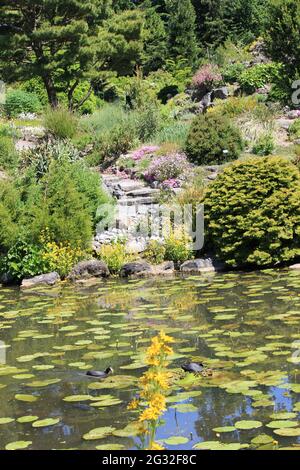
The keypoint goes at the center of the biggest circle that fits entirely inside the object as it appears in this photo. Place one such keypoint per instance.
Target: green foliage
(177, 246)
(19, 101)
(282, 35)
(264, 145)
(181, 28)
(294, 130)
(24, 260)
(8, 155)
(155, 252)
(175, 132)
(213, 139)
(35, 85)
(259, 75)
(10, 214)
(61, 123)
(67, 43)
(114, 255)
(253, 212)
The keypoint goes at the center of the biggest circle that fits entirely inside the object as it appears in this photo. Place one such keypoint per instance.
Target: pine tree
(63, 42)
(181, 27)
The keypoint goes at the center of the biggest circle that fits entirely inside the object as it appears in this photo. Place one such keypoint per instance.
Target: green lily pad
(26, 398)
(98, 433)
(42, 423)
(185, 408)
(77, 398)
(280, 424)
(288, 432)
(176, 440)
(27, 419)
(245, 424)
(6, 420)
(18, 445)
(262, 439)
(224, 429)
(283, 415)
(110, 447)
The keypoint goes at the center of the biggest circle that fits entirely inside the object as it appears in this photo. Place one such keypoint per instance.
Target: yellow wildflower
(156, 446)
(133, 405)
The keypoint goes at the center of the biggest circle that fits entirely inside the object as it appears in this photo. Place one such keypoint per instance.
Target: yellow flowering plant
(154, 385)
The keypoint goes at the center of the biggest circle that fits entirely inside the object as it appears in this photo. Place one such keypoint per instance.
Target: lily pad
(98, 433)
(288, 432)
(281, 424)
(42, 423)
(18, 445)
(176, 440)
(6, 420)
(244, 425)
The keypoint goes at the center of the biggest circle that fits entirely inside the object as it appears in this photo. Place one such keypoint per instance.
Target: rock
(202, 265)
(88, 269)
(163, 269)
(49, 279)
(137, 268)
(295, 266)
(283, 123)
(294, 114)
(206, 101)
(220, 93)
(6, 279)
(130, 185)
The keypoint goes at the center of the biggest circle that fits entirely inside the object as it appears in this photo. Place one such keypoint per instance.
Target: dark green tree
(283, 34)
(154, 38)
(181, 28)
(63, 43)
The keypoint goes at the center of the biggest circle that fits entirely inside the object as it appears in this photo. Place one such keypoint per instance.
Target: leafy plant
(253, 212)
(213, 139)
(265, 145)
(294, 129)
(155, 252)
(8, 155)
(258, 76)
(114, 255)
(167, 167)
(60, 122)
(177, 247)
(19, 101)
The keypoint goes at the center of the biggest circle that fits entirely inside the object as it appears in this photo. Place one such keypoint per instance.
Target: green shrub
(175, 132)
(258, 76)
(177, 248)
(24, 260)
(37, 87)
(264, 145)
(213, 139)
(232, 72)
(19, 101)
(8, 154)
(60, 122)
(114, 255)
(253, 212)
(294, 130)
(155, 252)
(10, 214)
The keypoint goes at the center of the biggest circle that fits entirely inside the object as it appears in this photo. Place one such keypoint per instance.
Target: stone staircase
(135, 201)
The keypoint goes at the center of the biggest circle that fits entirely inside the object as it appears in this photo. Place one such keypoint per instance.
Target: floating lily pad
(243, 425)
(42, 423)
(27, 419)
(110, 447)
(77, 398)
(280, 424)
(18, 445)
(98, 433)
(262, 439)
(176, 440)
(26, 398)
(6, 420)
(224, 429)
(288, 432)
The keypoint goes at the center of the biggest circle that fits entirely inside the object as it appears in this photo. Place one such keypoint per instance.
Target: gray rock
(163, 269)
(295, 266)
(202, 265)
(49, 279)
(220, 93)
(88, 269)
(294, 114)
(135, 269)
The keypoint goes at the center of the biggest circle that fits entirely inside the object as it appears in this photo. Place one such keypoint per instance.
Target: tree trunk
(51, 91)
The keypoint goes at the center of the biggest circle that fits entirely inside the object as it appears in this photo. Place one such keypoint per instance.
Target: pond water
(245, 326)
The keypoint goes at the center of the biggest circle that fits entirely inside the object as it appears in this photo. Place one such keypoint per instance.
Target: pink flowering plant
(140, 153)
(170, 170)
(207, 77)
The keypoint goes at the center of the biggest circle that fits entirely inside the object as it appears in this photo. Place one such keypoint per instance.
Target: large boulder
(220, 93)
(49, 279)
(88, 269)
(202, 265)
(143, 269)
(137, 268)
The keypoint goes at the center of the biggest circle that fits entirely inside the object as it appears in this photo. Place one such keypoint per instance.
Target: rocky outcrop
(201, 266)
(142, 269)
(49, 279)
(295, 266)
(88, 269)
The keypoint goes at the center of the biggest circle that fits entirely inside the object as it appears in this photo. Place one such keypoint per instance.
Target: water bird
(100, 374)
(195, 367)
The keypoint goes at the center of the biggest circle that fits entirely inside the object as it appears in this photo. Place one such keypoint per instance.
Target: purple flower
(169, 167)
(141, 152)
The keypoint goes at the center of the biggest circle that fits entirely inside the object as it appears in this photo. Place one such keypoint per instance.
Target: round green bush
(19, 101)
(213, 140)
(252, 213)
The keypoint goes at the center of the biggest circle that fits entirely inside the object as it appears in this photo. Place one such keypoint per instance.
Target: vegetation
(213, 139)
(253, 212)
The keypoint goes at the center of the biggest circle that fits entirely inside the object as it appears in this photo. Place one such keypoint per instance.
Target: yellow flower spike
(133, 405)
(156, 446)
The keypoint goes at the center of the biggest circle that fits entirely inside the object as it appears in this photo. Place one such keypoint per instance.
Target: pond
(244, 326)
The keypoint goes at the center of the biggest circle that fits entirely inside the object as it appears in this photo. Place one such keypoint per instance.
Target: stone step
(136, 201)
(144, 192)
(130, 185)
